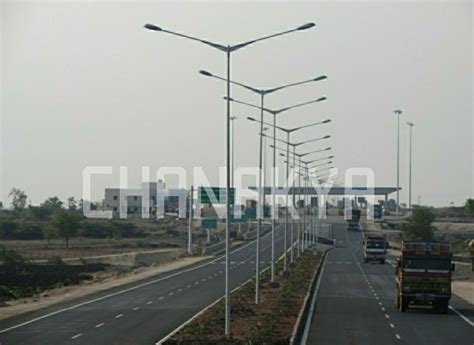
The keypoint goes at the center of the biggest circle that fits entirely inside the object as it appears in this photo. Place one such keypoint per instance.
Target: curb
(301, 322)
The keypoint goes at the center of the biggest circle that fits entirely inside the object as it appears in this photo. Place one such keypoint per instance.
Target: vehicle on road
(353, 220)
(423, 275)
(375, 248)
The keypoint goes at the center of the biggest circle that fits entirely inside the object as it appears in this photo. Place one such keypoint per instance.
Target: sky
(84, 84)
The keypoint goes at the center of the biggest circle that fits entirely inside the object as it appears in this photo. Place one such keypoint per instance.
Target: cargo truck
(423, 275)
(353, 221)
(375, 249)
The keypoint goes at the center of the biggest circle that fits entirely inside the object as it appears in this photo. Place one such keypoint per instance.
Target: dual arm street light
(274, 210)
(289, 131)
(227, 49)
(307, 168)
(261, 195)
(294, 145)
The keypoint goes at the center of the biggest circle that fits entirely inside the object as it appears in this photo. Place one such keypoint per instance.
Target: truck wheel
(442, 307)
(403, 304)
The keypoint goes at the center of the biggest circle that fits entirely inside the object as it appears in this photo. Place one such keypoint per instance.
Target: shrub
(8, 229)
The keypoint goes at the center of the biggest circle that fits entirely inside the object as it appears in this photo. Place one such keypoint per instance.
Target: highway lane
(355, 304)
(140, 313)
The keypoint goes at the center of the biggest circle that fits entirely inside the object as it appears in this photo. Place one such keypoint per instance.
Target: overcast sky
(84, 84)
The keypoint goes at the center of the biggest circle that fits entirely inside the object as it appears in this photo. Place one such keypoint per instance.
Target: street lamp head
(321, 99)
(251, 118)
(327, 121)
(305, 26)
(326, 137)
(331, 157)
(397, 111)
(265, 129)
(411, 124)
(228, 98)
(233, 118)
(152, 27)
(322, 77)
(327, 148)
(206, 73)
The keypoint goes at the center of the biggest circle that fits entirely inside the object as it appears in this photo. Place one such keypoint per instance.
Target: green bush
(8, 229)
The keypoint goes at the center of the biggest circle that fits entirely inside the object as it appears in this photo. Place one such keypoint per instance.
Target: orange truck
(423, 275)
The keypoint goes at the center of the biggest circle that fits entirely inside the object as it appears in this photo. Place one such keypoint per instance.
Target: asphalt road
(139, 313)
(355, 304)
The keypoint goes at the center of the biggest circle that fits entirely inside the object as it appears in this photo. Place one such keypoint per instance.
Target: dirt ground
(101, 281)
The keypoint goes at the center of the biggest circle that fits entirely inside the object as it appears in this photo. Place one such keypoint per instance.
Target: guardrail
(214, 248)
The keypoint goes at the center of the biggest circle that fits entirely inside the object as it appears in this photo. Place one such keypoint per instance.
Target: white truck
(375, 248)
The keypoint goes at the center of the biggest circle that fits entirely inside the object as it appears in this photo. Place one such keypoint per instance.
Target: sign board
(209, 223)
(220, 195)
(251, 213)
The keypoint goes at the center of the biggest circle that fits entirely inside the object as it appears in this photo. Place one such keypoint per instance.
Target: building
(134, 204)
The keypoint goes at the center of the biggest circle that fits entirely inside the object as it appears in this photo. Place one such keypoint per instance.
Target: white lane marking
(196, 283)
(188, 286)
(398, 337)
(209, 277)
(179, 290)
(203, 279)
(462, 316)
(99, 325)
(387, 316)
(377, 298)
(131, 288)
(380, 303)
(392, 325)
(171, 293)
(161, 297)
(76, 336)
(149, 302)
(313, 303)
(118, 316)
(216, 274)
(383, 308)
(136, 308)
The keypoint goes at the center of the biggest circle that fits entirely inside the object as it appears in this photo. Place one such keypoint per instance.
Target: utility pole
(410, 124)
(190, 234)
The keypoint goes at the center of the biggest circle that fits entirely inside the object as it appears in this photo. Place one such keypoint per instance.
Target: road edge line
(177, 329)
(309, 317)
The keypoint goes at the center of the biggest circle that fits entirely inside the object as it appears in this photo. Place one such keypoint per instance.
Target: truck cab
(375, 249)
(423, 275)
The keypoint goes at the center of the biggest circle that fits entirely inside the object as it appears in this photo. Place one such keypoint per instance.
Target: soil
(272, 321)
(113, 277)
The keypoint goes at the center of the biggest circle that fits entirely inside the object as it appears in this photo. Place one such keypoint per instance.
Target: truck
(353, 221)
(375, 248)
(423, 275)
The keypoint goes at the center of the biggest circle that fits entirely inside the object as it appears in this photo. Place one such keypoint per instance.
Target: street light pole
(232, 119)
(190, 234)
(228, 49)
(398, 113)
(263, 92)
(410, 124)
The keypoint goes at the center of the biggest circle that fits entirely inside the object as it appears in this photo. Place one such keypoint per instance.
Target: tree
(19, 199)
(49, 232)
(40, 212)
(53, 203)
(418, 227)
(71, 203)
(469, 207)
(67, 224)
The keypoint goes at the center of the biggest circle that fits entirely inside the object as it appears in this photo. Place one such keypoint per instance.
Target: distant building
(134, 202)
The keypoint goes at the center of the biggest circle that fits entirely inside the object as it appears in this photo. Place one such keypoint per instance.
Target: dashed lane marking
(136, 308)
(149, 302)
(118, 316)
(99, 325)
(392, 325)
(76, 336)
(398, 337)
